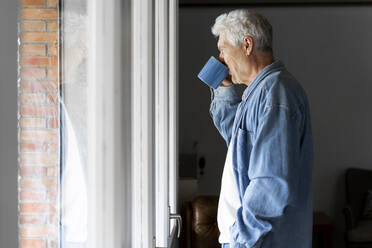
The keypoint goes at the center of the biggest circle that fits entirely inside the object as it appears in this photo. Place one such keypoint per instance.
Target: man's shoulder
(282, 84)
(282, 89)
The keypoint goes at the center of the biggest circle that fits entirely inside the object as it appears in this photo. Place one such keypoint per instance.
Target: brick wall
(38, 97)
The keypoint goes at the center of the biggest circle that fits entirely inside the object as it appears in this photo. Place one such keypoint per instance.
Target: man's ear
(248, 45)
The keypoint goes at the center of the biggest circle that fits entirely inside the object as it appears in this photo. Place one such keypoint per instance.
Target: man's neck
(257, 63)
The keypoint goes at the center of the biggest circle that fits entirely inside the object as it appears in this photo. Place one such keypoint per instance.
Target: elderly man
(266, 192)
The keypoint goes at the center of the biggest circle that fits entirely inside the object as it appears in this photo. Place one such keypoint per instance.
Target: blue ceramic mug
(213, 72)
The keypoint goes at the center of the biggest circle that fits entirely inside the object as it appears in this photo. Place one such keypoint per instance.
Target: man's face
(231, 56)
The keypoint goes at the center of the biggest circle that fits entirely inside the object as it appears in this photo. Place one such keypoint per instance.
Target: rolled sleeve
(224, 93)
(224, 103)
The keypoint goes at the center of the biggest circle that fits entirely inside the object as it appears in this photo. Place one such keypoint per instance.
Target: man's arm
(224, 103)
(273, 176)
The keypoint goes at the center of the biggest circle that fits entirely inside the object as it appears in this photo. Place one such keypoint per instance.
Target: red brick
(53, 219)
(53, 147)
(53, 123)
(32, 243)
(32, 171)
(39, 13)
(32, 195)
(35, 219)
(39, 61)
(32, 122)
(54, 60)
(33, 147)
(52, 171)
(53, 73)
(45, 86)
(53, 98)
(39, 135)
(35, 60)
(39, 183)
(52, 3)
(34, 73)
(39, 37)
(32, 98)
(36, 231)
(39, 158)
(33, 25)
(53, 49)
(37, 207)
(39, 149)
(52, 24)
(33, 49)
(29, 3)
(39, 110)
(52, 195)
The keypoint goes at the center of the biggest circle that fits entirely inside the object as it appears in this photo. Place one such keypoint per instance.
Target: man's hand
(227, 81)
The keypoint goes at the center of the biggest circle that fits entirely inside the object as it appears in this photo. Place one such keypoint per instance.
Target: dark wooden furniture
(358, 233)
(200, 225)
(322, 230)
(200, 217)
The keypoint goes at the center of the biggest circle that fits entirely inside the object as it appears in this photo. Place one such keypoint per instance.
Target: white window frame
(154, 28)
(166, 121)
(108, 174)
(162, 124)
(142, 123)
(121, 121)
(173, 114)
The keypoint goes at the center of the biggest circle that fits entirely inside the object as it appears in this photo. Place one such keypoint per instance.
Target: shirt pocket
(244, 148)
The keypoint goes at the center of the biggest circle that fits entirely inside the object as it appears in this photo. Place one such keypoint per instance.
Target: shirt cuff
(235, 238)
(224, 93)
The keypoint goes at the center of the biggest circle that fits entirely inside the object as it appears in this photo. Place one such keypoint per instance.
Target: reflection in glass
(73, 108)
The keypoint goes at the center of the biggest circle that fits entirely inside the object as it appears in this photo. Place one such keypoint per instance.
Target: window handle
(178, 218)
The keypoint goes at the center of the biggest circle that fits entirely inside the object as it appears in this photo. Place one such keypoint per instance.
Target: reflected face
(231, 56)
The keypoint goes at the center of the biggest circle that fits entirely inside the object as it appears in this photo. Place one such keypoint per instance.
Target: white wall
(328, 50)
(8, 124)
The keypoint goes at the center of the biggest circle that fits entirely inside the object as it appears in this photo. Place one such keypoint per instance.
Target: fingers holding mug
(227, 81)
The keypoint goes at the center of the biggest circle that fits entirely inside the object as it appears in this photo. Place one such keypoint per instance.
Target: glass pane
(74, 210)
(62, 154)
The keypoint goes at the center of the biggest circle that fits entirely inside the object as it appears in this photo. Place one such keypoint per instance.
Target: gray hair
(241, 22)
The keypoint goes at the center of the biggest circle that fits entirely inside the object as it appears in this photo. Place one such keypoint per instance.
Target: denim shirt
(272, 148)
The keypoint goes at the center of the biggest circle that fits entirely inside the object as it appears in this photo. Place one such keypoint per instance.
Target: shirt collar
(275, 66)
